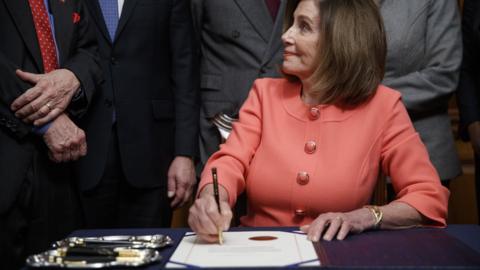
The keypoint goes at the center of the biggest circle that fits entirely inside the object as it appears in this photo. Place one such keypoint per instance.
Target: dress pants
(115, 203)
(46, 209)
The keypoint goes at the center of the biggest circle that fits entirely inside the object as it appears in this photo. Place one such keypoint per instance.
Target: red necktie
(44, 35)
(273, 7)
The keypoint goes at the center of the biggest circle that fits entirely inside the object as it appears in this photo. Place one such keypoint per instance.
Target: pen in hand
(216, 194)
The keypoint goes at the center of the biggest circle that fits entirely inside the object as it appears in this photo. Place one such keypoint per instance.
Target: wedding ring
(49, 106)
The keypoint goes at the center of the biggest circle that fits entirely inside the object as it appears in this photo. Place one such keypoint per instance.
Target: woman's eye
(304, 27)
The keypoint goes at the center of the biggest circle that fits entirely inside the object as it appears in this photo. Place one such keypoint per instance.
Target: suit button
(235, 34)
(108, 102)
(310, 147)
(303, 178)
(114, 61)
(300, 212)
(314, 113)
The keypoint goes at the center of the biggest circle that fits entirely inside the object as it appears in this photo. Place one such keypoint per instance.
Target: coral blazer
(296, 161)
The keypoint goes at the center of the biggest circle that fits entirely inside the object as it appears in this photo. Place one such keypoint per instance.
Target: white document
(246, 249)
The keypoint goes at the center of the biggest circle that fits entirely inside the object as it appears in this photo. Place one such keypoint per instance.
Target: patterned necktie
(44, 35)
(110, 15)
(273, 6)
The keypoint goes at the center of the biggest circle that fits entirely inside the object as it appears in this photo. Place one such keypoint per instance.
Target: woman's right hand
(204, 218)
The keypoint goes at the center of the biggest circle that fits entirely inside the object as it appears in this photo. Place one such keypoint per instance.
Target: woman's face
(301, 39)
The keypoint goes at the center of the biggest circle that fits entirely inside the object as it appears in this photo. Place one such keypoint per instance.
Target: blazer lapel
(96, 14)
(127, 11)
(257, 13)
(22, 16)
(273, 44)
(63, 20)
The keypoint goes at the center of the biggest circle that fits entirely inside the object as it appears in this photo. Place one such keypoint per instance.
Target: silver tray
(154, 241)
(48, 259)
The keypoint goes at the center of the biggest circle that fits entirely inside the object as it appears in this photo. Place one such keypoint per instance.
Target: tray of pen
(102, 252)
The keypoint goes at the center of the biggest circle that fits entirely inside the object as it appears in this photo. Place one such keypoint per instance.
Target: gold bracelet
(377, 214)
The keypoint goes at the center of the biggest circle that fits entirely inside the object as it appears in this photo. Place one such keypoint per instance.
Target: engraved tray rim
(41, 260)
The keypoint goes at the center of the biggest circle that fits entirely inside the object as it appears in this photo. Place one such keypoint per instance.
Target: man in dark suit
(240, 42)
(141, 129)
(468, 94)
(48, 73)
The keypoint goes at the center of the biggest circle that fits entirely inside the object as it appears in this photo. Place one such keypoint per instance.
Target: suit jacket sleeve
(405, 159)
(431, 86)
(84, 62)
(468, 90)
(10, 88)
(184, 78)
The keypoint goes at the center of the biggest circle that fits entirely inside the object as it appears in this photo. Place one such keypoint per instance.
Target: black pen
(216, 195)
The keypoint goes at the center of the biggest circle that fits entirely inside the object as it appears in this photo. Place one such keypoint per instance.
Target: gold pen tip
(220, 237)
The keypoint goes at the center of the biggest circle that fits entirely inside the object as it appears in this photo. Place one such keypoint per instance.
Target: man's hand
(65, 140)
(181, 179)
(48, 98)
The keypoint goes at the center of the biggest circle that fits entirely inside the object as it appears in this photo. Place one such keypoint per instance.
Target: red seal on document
(263, 238)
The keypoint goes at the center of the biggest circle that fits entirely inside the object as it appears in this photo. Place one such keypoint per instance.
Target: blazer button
(235, 34)
(310, 147)
(108, 102)
(114, 61)
(303, 178)
(314, 113)
(300, 212)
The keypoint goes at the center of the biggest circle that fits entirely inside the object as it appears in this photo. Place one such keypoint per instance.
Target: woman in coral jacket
(307, 149)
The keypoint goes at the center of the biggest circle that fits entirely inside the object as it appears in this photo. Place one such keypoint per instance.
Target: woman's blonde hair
(350, 60)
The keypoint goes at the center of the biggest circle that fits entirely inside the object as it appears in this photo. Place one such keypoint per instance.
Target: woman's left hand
(339, 224)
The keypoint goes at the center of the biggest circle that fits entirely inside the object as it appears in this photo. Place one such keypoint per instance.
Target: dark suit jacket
(424, 51)
(150, 82)
(468, 94)
(19, 49)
